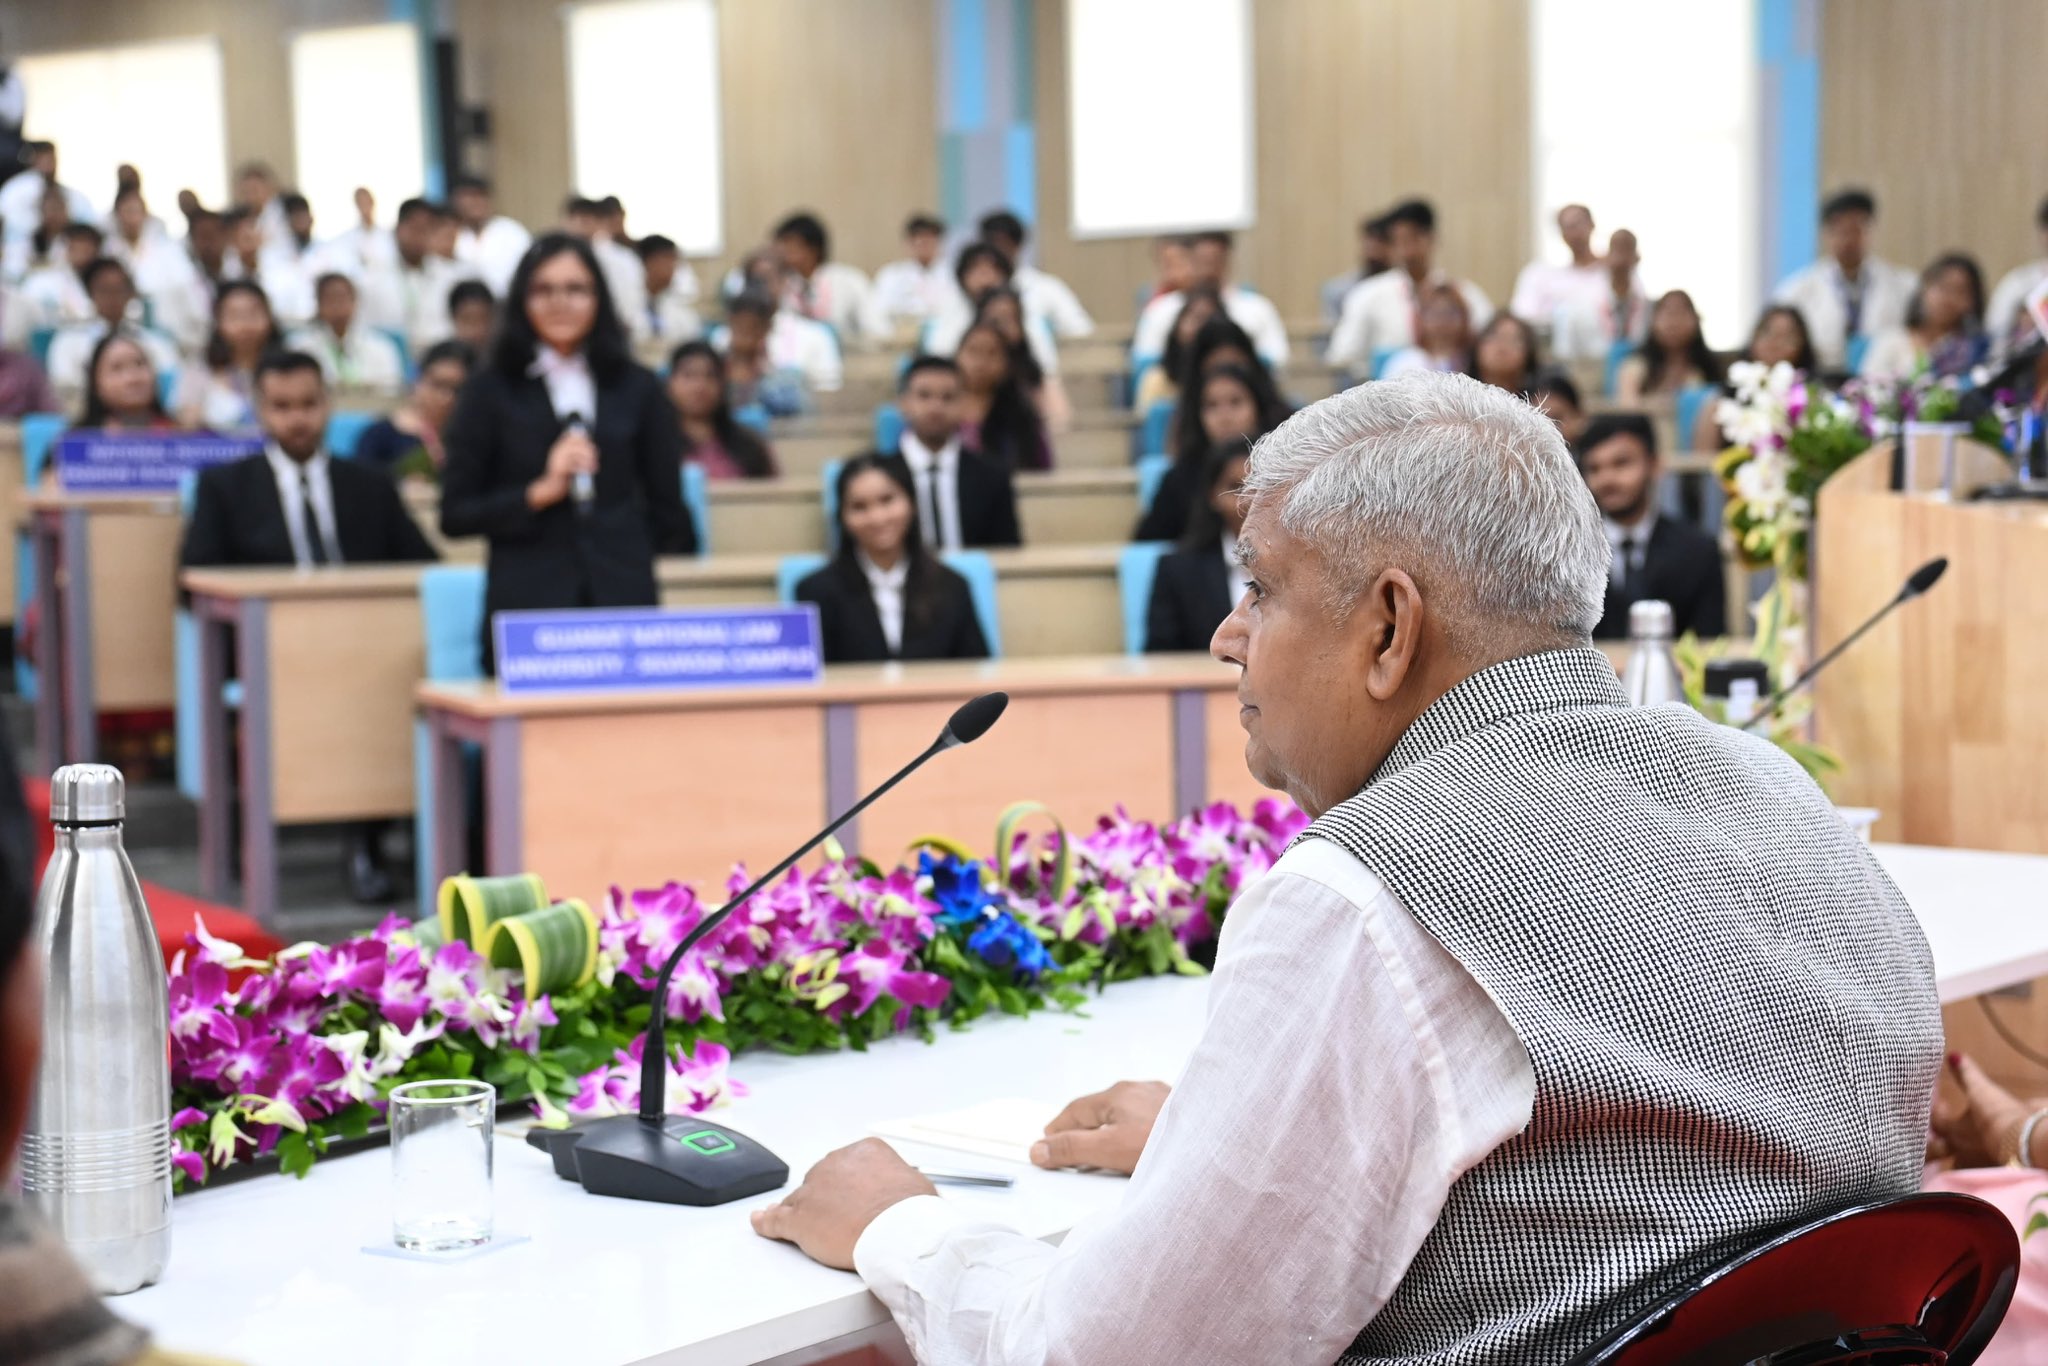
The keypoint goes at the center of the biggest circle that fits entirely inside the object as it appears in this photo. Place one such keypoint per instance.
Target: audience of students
(713, 437)
(1673, 357)
(1195, 586)
(121, 390)
(1375, 256)
(1617, 313)
(407, 443)
(294, 504)
(220, 393)
(885, 595)
(964, 501)
(249, 258)
(818, 287)
(1849, 293)
(911, 291)
(1378, 316)
(408, 294)
(998, 419)
(1045, 296)
(671, 289)
(351, 355)
(1443, 334)
(978, 269)
(1209, 263)
(775, 358)
(112, 293)
(486, 241)
(1231, 402)
(1943, 334)
(1162, 381)
(562, 451)
(1506, 355)
(1653, 557)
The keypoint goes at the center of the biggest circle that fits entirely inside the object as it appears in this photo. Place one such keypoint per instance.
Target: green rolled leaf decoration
(511, 922)
(469, 906)
(1014, 816)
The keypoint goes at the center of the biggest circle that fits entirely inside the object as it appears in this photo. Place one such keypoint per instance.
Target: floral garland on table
(282, 1057)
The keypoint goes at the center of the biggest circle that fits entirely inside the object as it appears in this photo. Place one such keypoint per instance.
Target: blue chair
(1139, 366)
(39, 433)
(1136, 566)
(39, 344)
(1690, 402)
(1380, 359)
(1152, 436)
(1621, 349)
(888, 426)
(829, 477)
(1152, 471)
(344, 430)
(404, 351)
(754, 416)
(1858, 345)
(697, 498)
(167, 387)
(452, 620)
(971, 565)
(191, 767)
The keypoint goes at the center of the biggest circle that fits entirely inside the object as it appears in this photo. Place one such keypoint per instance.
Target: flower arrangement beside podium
(549, 1001)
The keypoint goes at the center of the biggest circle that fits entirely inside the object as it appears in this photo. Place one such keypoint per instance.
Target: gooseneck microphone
(1917, 583)
(640, 1157)
(583, 484)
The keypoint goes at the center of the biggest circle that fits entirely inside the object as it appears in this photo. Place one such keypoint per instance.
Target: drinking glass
(441, 1164)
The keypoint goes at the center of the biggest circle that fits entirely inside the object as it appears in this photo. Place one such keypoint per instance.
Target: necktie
(1852, 304)
(936, 533)
(316, 545)
(1631, 567)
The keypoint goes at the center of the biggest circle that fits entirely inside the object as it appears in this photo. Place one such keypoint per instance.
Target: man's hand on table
(1106, 1130)
(839, 1198)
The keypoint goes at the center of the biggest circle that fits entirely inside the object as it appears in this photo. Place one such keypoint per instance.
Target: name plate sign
(142, 462)
(633, 649)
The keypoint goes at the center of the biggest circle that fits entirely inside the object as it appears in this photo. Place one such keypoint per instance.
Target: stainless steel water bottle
(1651, 678)
(96, 1160)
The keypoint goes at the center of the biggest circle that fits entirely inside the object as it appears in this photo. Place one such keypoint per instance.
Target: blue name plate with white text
(142, 463)
(623, 649)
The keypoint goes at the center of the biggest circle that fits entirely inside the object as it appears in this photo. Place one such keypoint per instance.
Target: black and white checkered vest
(1729, 1007)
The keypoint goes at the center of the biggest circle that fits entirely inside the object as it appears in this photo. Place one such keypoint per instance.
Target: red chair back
(1924, 1279)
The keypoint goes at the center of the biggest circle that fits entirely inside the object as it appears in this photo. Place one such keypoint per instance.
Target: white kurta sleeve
(1299, 1164)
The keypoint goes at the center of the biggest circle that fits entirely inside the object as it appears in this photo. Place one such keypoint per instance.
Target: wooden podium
(1940, 715)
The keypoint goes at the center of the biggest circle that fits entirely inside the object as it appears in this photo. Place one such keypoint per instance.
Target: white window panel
(1665, 148)
(156, 106)
(644, 115)
(1129, 61)
(357, 120)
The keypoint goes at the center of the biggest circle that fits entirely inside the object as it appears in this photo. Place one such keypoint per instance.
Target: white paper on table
(1004, 1128)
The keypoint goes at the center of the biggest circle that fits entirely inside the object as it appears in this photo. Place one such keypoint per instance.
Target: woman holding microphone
(563, 451)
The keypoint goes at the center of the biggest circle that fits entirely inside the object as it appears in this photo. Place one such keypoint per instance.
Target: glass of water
(441, 1164)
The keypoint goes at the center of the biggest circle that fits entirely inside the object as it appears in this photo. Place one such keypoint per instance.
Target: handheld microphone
(583, 487)
(1917, 583)
(636, 1156)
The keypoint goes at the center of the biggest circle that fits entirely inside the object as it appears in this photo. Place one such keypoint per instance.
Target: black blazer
(852, 627)
(1168, 515)
(987, 499)
(1682, 566)
(1190, 599)
(497, 443)
(238, 519)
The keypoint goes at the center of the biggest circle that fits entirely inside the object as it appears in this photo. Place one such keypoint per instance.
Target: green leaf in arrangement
(469, 906)
(294, 1154)
(1007, 825)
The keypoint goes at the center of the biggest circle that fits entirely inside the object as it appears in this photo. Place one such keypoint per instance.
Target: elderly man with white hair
(1556, 1005)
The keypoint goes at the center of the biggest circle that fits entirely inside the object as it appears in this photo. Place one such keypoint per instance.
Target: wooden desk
(106, 589)
(636, 789)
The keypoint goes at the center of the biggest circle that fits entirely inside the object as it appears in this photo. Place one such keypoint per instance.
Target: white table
(272, 1271)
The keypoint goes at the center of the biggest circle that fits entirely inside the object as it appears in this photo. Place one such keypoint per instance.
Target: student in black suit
(563, 451)
(296, 505)
(964, 500)
(1654, 557)
(1195, 586)
(885, 595)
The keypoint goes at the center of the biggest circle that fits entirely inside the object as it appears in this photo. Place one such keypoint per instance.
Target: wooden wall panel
(513, 63)
(1359, 103)
(1936, 106)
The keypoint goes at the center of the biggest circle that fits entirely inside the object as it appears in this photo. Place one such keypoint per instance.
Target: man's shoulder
(231, 475)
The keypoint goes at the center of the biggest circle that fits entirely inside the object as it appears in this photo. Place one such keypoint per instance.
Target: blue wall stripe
(968, 54)
(1788, 72)
(1020, 170)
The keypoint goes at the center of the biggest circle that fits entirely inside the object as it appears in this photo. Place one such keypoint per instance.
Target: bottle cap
(1649, 619)
(81, 793)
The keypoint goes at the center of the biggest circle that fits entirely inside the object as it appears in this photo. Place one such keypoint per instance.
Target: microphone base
(682, 1161)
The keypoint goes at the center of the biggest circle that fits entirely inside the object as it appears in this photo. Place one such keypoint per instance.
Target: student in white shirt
(624, 276)
(1045, 295)
(2006, 318)
(140, 243)
(1379, 314)
(774, 357)
(219, 394)
(488, 242)
(912, 291)
(1443, 335)
(43, 244)
(21, 197)
(112, 293)
(1209, 263)
(256, 190)
(180, 292)
(297, 244)
(1587, 328)
(291, 293)
(819, 287)
(351, 355)
(365, 245)
(1848, 293)
(409, 295)
(54, 294)
(1375, 257)
(1546, 288)
(978, 269)
(671, 289)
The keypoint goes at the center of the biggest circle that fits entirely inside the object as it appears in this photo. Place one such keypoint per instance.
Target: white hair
(1467, 487)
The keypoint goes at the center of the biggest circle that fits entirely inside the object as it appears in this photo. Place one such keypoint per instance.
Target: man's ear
(1390, 614)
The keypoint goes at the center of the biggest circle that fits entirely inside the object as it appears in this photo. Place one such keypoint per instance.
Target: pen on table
(940, 1176)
